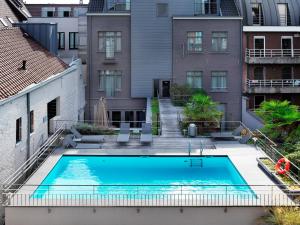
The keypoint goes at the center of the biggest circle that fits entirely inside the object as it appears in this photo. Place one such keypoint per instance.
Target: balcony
(272, 56)
(118, 5)
(273, 86)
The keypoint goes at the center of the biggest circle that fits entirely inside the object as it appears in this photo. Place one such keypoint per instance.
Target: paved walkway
(168, 117)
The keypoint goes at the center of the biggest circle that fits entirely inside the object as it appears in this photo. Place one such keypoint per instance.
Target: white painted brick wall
(70, 90)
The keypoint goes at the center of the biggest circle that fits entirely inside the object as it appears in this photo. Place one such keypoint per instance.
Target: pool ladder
(196, 163)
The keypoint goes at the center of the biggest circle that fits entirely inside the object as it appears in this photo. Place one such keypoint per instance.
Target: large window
(219, 80)
(194, 41)
(284, 14)
(118, 5)
(110, 82)
(194, 79)
(219, 41)
(73, 40)
(61, 40)
(19, 130)
(50, 13)
(110, 42)
(203, 7)
(257, 14)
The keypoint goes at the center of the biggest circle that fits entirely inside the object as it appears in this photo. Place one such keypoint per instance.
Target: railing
(180, 100)
(269, 148)
(118, 5)
(274, 83)
(150, 195)
(205, 8)
(35, 160)
(269, 53)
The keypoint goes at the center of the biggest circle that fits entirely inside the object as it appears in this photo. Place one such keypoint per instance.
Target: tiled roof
(96, 6)
(16, 46)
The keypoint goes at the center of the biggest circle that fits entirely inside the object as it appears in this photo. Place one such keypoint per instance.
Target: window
(61, 40)
(287, 73)
(219, 80)
(50, 14)
(162, 10)
(219, 41)
(284, 14)
(110, 82)
(3, 22)
(257, 14)
(129, 117)
(66, 13)
(110, 42)
(259, 73)
(258, 99)
(194, 79)
(116, 118)
(18, 130)
(73, 40)
(203, 7)
(118, 5)
(194, 41)
(31, 128)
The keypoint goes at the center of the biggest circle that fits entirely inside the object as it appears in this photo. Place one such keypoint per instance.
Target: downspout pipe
(28, 126)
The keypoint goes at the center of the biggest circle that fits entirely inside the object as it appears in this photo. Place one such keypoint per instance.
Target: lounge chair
(78, 137)
(227, 135)
(69, 143)
(124, 134)
(146, 136)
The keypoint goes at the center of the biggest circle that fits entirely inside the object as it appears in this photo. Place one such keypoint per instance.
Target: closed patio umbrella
(101, 113)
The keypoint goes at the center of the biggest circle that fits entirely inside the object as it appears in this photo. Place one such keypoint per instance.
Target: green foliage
(91, 129)
(181, 94)
(295, 156)
(155, 115)
(202, 108)
(281, 216)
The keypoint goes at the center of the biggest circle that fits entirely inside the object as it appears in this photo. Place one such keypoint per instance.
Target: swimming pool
(143, 175)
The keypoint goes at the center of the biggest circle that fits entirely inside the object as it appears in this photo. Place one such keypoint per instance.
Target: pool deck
(243, 157)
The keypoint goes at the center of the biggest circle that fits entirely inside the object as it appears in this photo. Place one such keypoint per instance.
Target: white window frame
(292, 43)
(260, 37)
(286, 13)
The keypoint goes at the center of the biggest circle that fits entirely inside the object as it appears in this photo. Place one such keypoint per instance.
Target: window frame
(74, 42)
(162, 4)
(103, 74)
(103, 37)
(286, 14)
(18, 130)
(59, 40)
(49, 11)
(219, 89)
(219, 42)
(193, 50)
(31, 127)
(261, 19)
(193, 75)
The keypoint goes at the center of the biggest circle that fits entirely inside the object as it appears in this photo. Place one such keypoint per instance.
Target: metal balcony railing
(274, 83)
(269, 53)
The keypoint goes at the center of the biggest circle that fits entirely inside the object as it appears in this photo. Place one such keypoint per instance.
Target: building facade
(140, 48)
(271, 51)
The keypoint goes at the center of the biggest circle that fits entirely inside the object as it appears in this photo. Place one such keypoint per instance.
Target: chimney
(24, 65)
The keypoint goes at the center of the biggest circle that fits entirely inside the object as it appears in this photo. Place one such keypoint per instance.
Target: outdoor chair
(146, 135)
(124, 135)
(69, 143)
(225, 135)
(78, 137)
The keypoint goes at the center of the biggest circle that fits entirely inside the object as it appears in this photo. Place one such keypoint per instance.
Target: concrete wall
(130, 216)
(208, 61)
(65, 24)
(70, 91)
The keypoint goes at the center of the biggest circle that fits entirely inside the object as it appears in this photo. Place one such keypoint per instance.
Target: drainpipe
(28, 126)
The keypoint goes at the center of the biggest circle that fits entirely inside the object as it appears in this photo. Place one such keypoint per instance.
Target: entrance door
(166, 89)
(259, 46)
(52, 111)
(287, 46)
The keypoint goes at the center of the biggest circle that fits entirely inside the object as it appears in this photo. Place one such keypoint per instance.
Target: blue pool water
(139, 175)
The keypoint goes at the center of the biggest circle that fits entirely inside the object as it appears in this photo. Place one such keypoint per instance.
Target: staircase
(228, 8)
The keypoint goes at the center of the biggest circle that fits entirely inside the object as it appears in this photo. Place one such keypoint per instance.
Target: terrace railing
(281, 83)
(35, 160)
(150, 196)
(270, 53)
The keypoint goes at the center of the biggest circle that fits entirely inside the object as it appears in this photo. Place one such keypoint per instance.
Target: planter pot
(275, 177)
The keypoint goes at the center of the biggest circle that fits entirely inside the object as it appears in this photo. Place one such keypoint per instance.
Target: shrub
(281, 216)
(91, 129)
(181, 94)
(295, 156)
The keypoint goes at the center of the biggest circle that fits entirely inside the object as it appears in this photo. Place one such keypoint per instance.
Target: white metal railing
(151, 195)
(274, 83)
(269, 53)
(26, 168)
